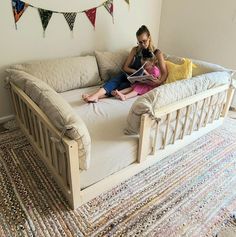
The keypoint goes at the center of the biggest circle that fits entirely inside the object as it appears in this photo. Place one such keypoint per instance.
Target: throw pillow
(179, 71)
(110, 63)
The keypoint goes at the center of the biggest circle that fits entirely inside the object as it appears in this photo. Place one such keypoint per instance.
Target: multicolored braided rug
(191, 193)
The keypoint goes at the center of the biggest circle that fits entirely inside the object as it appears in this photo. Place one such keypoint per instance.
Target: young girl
(139, 88)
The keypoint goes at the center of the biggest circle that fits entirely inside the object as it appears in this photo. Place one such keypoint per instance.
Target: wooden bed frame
(64, 164)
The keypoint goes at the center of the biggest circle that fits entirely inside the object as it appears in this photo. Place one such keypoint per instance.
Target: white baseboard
(6, 118)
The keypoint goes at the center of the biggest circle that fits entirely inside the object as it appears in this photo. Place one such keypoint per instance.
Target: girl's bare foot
(120, 96)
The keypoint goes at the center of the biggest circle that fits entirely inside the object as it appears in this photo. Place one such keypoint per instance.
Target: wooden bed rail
(61, 157)
(213, 113)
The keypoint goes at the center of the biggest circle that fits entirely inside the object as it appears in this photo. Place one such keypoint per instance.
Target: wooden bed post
(144, 137)
(73, 176)
(229, 98)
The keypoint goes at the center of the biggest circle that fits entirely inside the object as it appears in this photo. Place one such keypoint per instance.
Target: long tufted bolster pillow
(57, 110)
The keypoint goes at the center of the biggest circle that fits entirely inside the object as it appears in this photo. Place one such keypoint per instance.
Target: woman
(132, 64)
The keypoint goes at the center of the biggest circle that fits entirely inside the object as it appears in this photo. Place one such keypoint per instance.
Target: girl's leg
(123, 97)
(115, 83)
(124, 91)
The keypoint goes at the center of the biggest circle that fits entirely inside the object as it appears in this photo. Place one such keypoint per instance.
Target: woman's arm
(162, 66)
(129, 61)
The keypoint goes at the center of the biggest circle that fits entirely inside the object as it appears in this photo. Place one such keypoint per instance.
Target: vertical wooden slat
(41, 137)
(221, 107)
(54, 156)
(215, 109)
(202, 110)
(26, 117)
(31, 128)
(176, 126)
(18, 107)
(166, 131)
(208, 112)
(47, 143)
(35, 129)
(60, 162)
(14, 102)
(154, 148)
(63, 162)
(194, 117)
(229, 98)
(185, 121)
(22, 112)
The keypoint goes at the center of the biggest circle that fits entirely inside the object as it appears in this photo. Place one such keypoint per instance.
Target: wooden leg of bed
(228, 101)
(144, 137)
(73, 176)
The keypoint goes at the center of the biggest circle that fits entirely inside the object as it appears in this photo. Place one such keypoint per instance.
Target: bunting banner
(127, 2)
(18, 8)
(45, 15)
(110, 7)
(91, 14)
(70, 19)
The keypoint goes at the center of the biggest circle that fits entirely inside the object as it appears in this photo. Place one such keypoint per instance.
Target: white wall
(200, 29)
(27, 42)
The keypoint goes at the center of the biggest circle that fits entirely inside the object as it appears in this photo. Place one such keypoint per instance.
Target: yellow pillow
(179, 71)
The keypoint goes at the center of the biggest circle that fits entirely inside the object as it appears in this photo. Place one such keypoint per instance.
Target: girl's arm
(129, 61)
(162, 67)
(145, 72)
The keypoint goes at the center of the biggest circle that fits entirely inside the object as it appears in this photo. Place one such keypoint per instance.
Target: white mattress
(105, 120)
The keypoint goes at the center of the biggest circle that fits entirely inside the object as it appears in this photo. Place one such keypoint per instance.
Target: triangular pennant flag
(45, 16)
(91, 14)
(70, 18)
(109, 6)
(18, 8)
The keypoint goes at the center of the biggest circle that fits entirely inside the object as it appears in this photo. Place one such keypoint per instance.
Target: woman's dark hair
(144, 30)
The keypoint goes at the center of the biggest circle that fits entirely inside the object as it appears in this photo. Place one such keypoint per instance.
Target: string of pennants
(19, 7)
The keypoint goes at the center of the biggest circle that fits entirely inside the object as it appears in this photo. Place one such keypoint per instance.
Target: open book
(142, 79)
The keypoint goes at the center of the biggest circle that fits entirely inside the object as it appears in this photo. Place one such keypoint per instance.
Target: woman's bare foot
(120, 96)
(85, 96)
(90, 98)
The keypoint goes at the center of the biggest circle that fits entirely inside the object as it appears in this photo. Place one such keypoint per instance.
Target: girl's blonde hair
(144, 29)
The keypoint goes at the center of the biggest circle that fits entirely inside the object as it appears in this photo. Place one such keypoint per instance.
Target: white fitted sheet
(111, 150)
